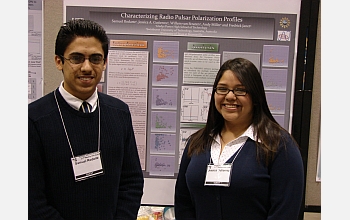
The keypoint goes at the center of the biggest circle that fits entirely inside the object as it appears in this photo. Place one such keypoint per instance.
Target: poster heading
(134, 21)
(181, 17)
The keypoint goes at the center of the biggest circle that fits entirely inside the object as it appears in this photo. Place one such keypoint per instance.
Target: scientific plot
(166, 51)
(165, 75)
(275, 55)
(274, 79)
(164, 98)
(276, 102)
(184, 134)
(163, 121)
(162, 165)
(162, 143)
(195, 103)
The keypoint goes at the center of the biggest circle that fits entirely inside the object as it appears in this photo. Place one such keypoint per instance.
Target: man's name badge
(218, 175)
(87, 166)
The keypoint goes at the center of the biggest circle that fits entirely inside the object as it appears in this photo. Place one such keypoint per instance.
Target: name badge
(218, 175)
(87, 166)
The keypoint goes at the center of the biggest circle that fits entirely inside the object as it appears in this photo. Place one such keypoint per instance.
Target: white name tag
(218, 175)
(87, 166)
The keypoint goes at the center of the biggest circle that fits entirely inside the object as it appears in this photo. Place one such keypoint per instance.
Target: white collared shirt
(76, 102)
(230, 148)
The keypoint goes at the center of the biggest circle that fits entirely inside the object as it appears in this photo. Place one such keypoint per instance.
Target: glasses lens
(221, 90)
(239, 91)
(76, 59)
(96, 59)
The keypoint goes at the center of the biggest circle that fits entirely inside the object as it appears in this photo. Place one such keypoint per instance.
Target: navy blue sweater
(256, 192)
(53, 192)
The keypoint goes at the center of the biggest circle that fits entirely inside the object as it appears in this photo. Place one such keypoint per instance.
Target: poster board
(35, 51)
(167, 39)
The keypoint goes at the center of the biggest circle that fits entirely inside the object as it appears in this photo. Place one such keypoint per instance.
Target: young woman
(242, 165)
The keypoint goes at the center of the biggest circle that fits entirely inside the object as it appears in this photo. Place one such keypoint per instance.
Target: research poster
(163, 62)
(35, 60)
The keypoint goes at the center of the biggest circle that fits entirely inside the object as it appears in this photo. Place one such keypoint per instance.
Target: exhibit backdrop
(163, 58)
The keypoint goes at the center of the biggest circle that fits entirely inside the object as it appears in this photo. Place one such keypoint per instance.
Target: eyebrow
(80, 54)
(76, 53)
(223, 84)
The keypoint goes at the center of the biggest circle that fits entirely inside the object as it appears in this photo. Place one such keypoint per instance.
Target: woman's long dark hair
(266, 129)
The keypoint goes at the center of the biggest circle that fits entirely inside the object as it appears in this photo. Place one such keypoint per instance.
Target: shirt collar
(248, 133)
(76, 102)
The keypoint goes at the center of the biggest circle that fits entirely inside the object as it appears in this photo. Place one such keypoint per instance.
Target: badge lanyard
(220, 175)
(87, 165)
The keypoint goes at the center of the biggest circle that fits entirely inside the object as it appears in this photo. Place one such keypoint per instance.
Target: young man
(83, 164)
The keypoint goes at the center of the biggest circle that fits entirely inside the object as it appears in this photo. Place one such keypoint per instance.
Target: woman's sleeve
(184, 208)
(287, 182)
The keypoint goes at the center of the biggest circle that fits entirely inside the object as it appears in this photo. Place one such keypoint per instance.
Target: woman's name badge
(218, 175)
(87, 166)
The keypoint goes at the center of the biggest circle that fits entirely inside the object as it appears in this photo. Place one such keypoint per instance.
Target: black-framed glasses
(225, 91)
(80, 58)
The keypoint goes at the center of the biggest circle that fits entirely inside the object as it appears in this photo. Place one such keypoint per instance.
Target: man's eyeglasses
(225, 91)
(79, 59)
